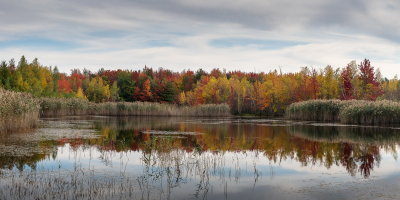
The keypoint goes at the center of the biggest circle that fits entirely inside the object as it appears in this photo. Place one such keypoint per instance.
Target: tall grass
(317, 110)
(372, 113)
(17, 111)
(157, 109)
(52, 107)
(349, 112)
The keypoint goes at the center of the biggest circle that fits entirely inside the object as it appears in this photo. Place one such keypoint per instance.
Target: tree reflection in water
(214, 155)
(357, 149)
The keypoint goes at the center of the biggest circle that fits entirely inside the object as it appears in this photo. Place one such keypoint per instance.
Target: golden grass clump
(17, 111)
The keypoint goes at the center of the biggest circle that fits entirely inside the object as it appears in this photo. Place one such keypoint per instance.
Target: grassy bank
(17, 111)
(53, 107)
(348, 112)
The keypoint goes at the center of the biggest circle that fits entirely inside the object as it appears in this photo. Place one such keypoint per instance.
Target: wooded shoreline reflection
(357, 149)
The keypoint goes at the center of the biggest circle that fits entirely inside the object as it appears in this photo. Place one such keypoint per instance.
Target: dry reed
(349, 112)
(52, 107)
(17, 111)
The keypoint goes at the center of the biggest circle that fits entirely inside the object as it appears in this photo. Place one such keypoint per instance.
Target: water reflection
(355, 148)
(163, 158)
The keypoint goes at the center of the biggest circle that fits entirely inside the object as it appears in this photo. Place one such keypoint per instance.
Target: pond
(198, 158)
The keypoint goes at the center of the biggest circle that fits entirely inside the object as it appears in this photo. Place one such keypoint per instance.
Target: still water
(192, 158)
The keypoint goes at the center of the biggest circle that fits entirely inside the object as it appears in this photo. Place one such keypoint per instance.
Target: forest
(263, 93)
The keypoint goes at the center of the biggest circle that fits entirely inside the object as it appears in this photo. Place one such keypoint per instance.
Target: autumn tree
(262, 94)
(347, 85)
(98, 90)
(370, 86)
(80, 94)
(258, 93)
(182, 98)
(330, 84)
(217, 90)
(240, 90)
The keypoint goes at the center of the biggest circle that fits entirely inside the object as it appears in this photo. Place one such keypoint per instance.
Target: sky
(247, 35)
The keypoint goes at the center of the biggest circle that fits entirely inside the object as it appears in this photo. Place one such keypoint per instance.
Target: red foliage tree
(76, 79)
(371, 87)
(63, 84)
(347, 88)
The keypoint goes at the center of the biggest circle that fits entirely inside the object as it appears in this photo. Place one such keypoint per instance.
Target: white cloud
(115, 34)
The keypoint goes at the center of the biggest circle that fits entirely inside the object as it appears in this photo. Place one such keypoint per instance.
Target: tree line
(256, 93)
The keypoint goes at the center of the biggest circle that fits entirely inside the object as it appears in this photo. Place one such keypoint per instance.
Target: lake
(198, 158)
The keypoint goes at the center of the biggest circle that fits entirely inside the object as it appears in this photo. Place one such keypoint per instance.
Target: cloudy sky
(248, 35)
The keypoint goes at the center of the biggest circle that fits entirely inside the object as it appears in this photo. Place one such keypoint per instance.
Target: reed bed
(358, 112)
(157, 109)
(318, 110)
(53, 107)
(371, 113)
(17, 111)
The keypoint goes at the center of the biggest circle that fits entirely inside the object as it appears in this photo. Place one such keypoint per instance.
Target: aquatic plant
(17, 111)
(349, 112)
(317, 110)
(51, 107)
(371, 113)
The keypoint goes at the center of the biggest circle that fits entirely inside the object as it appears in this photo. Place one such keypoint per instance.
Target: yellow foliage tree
(182, 98)
(80, 94)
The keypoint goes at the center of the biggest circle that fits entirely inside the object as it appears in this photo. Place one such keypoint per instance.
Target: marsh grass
(372, 113)
(53, 107)
(157, 109)
(349, 112)
(17, 111)
(317, 110)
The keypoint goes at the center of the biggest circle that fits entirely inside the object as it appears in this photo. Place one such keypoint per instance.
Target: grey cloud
(352, 16)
